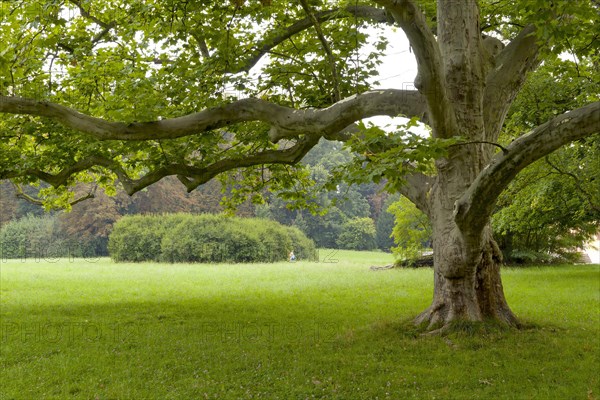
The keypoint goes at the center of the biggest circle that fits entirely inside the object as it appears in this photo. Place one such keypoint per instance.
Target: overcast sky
(397, 71)
(399, 66)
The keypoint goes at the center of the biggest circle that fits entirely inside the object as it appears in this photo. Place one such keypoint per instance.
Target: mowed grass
(333, 329)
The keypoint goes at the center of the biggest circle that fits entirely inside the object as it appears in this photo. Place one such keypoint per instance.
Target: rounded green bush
(197, 239)
(205, 238)
(139, 237)
(304, 248)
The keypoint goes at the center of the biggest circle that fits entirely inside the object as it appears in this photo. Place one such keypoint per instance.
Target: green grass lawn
(99, 330)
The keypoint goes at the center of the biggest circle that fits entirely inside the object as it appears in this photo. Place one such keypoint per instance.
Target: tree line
(546, 215)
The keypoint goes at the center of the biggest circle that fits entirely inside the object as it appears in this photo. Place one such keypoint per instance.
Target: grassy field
(78, 329)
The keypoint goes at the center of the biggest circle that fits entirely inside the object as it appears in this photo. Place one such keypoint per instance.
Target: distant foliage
(205, 238)
(29, 237)
(90, 222)
(384, 225)
(323, 229)
(41, 237)
(357, 234)
(335, 201)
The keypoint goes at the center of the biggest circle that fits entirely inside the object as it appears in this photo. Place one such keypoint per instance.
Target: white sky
(399, 66)
(397, 71)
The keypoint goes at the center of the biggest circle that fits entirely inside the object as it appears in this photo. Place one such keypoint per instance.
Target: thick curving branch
(62, 178)
(101, 129)
(504, 82)
(473, 209)
(430, 80)
(190, 176)
(416, 188)
(273, 40)
(285, 122)
(289, 156)
(331, 121)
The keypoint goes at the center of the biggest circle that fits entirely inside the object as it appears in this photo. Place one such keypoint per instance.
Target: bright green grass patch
(332, 329)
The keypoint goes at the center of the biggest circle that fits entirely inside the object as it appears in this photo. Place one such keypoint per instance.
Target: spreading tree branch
(285, 122)
(473, 209)
(289, 156)
(19, 193)
(190, 176)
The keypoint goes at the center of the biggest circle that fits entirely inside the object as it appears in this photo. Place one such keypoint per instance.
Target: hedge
(31, 237)
(139, 237)
(205, 238)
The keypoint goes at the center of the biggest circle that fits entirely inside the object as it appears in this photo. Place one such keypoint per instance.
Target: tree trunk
(473, 294)
(467, 260)
(476, 296)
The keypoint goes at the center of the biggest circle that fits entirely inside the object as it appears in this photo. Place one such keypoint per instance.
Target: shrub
(205, 238)
(33, 237)
(357, 234)
(139, 237)
(304, 248)
(275, 240)
(530, 257)
(197, 239)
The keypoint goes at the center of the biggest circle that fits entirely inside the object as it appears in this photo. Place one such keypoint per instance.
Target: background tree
(553, 206)
(334, 208)
(357, 234)
(412, 230)
(32, 237)
(384, 225)
(7, 204)
(137, 91)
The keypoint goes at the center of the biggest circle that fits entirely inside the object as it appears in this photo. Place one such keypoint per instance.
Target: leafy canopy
(135, 61)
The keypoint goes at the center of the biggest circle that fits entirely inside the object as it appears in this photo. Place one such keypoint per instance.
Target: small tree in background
(33, 237)
(357, 234)
(412, 231)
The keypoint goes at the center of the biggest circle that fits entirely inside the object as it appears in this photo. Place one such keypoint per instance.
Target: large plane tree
(129, 92)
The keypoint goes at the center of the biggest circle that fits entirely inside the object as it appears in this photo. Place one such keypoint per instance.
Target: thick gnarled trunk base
(476, 297)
